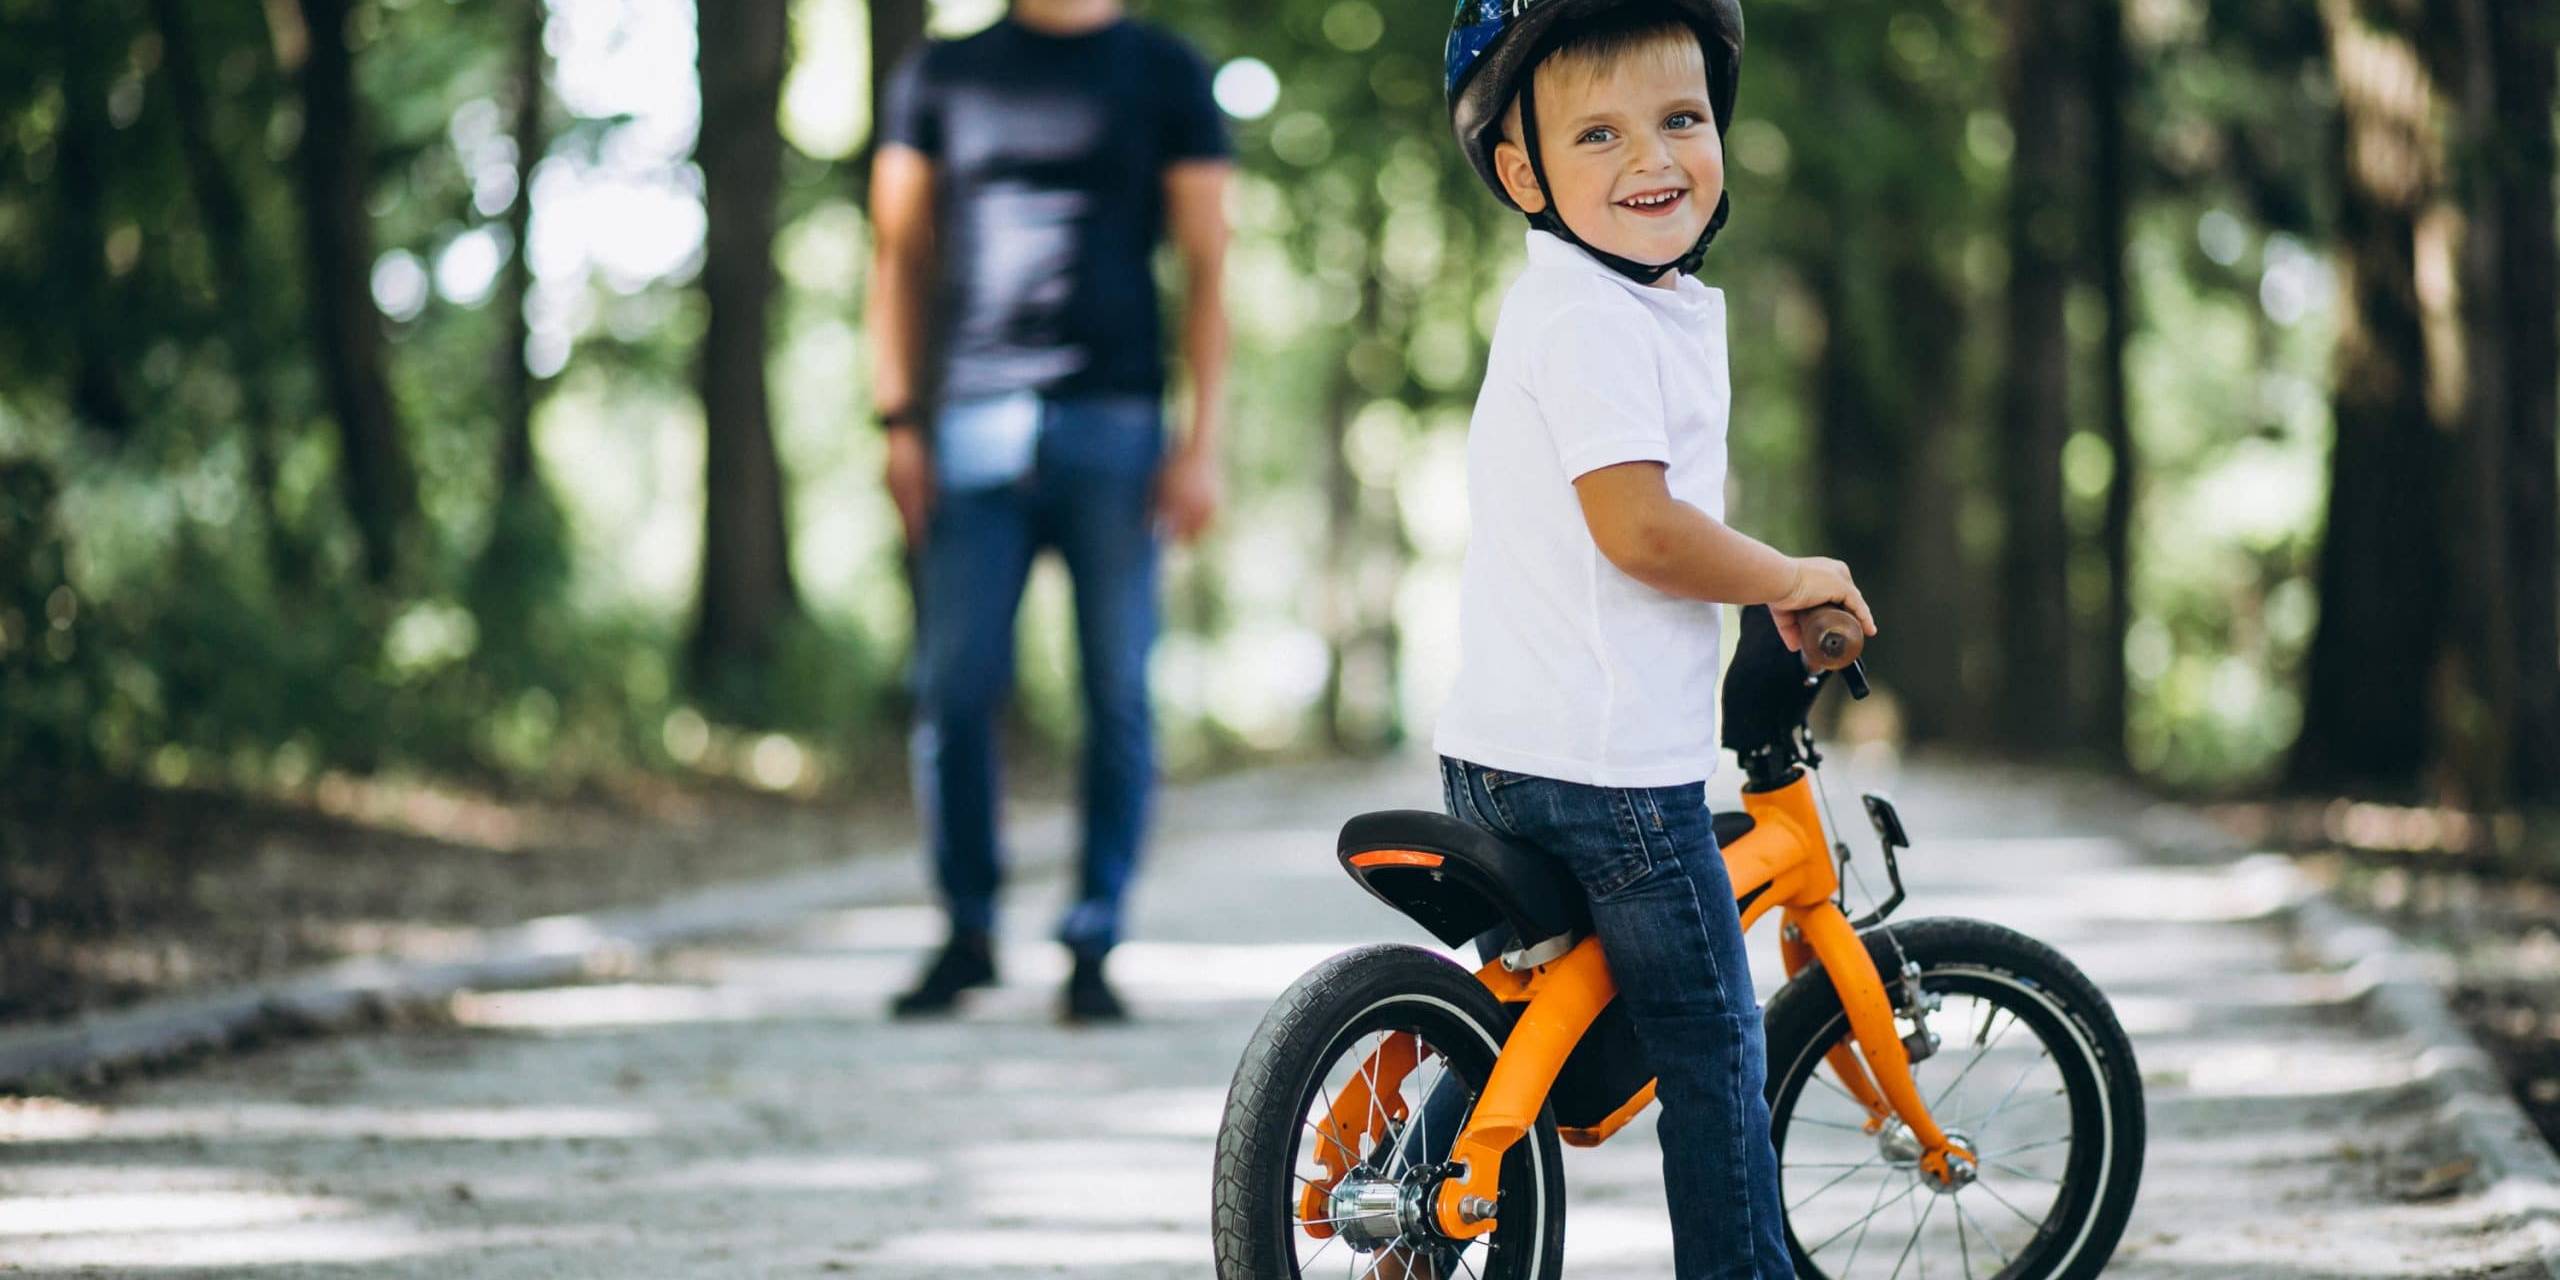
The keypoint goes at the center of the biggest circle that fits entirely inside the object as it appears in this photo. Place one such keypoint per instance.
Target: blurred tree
(518, 387)
(1849, 161)
(747, 588)
(2105, 74)
(2038, 628)
(313, 45)
(89, 43)
(2366, 710)
(240, 285)
(2504, 727)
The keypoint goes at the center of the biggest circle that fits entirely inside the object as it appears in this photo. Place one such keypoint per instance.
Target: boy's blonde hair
(1629, 34)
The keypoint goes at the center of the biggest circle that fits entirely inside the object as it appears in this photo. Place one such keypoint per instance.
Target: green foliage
(213, 627)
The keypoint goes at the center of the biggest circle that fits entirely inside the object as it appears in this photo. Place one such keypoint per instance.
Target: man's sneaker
(968, 960)
(1089, 996)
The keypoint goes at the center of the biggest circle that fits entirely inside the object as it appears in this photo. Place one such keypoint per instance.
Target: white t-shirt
(1568, 668)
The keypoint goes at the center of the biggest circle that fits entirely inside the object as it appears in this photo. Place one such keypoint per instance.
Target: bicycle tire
(1325, 1013)
(1999, 968)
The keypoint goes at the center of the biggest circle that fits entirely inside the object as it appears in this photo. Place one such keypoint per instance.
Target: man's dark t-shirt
(1049, 156)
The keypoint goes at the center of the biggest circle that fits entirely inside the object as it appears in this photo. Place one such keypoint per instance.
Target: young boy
(1583, 720)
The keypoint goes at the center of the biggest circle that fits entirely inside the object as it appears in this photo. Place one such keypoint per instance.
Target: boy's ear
(1519, 177)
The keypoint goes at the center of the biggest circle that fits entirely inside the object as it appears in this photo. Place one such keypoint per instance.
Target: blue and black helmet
(1494, 43)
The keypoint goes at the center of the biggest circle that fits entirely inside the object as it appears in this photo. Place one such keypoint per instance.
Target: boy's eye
(1597, 133)
(1681, 120)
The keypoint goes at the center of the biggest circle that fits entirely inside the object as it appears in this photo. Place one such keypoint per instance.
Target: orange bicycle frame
(1782, 863)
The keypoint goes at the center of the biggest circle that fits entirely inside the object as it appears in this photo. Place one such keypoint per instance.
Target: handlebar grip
(1832, 637)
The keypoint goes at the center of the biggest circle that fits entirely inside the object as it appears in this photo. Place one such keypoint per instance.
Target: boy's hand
(1818, 581)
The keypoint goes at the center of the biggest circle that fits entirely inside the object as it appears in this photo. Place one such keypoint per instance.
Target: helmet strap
(1550, 220)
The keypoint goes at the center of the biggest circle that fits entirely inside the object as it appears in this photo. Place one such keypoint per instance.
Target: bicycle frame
(1783, 863)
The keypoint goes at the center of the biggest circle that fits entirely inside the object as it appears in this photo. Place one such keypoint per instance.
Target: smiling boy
(1583, 719)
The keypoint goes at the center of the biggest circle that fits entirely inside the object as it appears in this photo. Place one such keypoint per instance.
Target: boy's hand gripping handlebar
(1832, 642)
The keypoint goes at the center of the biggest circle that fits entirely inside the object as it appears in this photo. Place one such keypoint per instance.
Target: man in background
(1024, 178)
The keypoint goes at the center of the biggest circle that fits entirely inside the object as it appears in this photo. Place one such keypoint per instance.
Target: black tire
(2086, 1059)
(1321, 1019)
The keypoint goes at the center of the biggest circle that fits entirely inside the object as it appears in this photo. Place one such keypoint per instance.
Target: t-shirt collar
(1549, 250)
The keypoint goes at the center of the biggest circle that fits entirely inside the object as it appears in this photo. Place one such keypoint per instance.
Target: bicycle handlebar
(1832, 637)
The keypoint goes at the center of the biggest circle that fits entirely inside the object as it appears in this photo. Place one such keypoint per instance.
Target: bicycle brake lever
(1855, 676)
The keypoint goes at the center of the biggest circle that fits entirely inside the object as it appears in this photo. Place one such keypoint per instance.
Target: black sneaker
(1089, 997)
(968, 960)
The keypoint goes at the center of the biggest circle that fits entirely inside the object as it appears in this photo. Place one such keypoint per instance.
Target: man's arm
(1195, 198)
(1677, 549)
(894, 316)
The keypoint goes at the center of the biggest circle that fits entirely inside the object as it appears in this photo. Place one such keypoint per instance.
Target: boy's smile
(1631, 152)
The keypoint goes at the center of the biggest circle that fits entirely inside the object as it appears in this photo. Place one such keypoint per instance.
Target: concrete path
(743, 1110)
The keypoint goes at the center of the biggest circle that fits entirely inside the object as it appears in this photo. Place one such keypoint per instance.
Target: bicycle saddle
(1458, 880)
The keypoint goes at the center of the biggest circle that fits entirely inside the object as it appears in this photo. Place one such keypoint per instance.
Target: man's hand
(1188, 491)
(1818, 581)
(909, 476)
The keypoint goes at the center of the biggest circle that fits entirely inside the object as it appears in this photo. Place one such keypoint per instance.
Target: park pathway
(744, 1110)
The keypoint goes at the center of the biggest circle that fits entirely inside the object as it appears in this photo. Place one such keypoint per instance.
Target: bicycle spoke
(1994, 1193)
(1799, 1205)
(2003, 1104)
(1963, 1249)
(1978, 1054)
(1826, 1082)
(1915, 1240)
(2011, 1151)
(1828, 1124)
(2011, 1168)
(1873, 1209)
(1987, 1238)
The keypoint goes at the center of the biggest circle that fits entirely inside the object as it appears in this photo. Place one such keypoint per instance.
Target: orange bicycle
(1942, 1086)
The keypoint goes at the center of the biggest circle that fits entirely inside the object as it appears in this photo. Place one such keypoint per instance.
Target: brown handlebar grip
(1832, 637)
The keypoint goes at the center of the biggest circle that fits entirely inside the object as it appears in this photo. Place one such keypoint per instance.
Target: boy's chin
(1666, 245)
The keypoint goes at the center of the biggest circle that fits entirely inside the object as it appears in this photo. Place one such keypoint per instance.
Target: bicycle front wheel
(1411, 1038)
(2031, 1071)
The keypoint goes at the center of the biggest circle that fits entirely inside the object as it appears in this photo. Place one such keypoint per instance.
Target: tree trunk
(87, 43)
(241, 294)
(2523, 35)
(2373, 654)
(346, 330)
(517, 388)
(747, 590)
(2108, 201)
(2036, 706)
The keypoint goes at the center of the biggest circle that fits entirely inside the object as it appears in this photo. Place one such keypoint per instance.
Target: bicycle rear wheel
(2032, 1071)
(1325, 1035)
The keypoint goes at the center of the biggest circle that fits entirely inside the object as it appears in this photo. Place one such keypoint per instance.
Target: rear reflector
(1394, 858)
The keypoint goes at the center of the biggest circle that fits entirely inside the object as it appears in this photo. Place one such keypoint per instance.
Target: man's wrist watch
(903, 416)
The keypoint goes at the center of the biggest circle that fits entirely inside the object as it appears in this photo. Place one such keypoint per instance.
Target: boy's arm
(1196, 222)
(1679, 550)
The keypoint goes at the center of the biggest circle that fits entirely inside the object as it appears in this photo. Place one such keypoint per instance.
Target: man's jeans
(1663, 907)
(1013, 475)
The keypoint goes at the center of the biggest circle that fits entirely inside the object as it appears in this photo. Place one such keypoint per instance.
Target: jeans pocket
(1621, 854)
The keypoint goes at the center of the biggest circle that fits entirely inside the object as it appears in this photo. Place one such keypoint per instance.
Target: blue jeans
(1663, 907)
(1014, 475)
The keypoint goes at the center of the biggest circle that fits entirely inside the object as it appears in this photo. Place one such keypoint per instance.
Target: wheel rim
(2015, 1077)
(1454, 1053)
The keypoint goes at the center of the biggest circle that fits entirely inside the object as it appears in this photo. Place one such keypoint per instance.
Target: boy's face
(1631, 151)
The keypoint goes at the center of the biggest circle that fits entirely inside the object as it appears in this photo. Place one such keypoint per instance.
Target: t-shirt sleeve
(1190, 125)
(911, 111)
(1597, 379)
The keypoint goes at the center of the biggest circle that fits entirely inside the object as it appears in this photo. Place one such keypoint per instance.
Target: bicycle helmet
(1494, 44)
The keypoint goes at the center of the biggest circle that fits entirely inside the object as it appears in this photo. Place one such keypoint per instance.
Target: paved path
(744, 1110)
